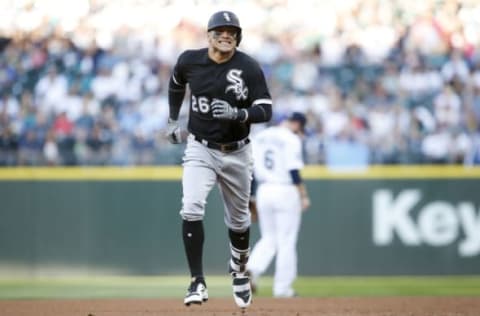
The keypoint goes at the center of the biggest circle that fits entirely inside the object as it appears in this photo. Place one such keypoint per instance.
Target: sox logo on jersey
(237, 84)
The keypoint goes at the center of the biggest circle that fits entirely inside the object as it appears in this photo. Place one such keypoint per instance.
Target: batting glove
(223, 110)
(174, 134)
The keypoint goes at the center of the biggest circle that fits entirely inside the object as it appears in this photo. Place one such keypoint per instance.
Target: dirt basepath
(385, 306)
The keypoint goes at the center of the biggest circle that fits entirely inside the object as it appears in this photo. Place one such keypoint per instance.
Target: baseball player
(228, 92)
(280, 198)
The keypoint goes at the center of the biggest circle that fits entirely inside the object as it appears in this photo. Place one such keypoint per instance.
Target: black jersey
(239, 81)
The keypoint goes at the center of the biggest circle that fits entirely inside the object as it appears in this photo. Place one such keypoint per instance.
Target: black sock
(240, 240)
(193, 237)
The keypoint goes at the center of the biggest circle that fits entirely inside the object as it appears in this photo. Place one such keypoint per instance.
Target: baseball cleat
(242, 292)
(196, 294)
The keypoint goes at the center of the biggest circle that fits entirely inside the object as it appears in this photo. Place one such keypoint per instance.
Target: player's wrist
(304, 195)
(242, 115)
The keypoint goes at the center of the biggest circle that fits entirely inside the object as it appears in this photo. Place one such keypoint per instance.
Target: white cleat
(242, 291)
(197, 294)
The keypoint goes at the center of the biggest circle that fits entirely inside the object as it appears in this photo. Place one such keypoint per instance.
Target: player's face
(223, 39)
(297, 129)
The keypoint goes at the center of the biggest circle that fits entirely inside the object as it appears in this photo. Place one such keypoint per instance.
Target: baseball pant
(202, 168)
(279, 215)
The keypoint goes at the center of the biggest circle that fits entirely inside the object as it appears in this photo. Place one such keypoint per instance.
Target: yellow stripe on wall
(91, 173)
(175, 173)
(393, 172)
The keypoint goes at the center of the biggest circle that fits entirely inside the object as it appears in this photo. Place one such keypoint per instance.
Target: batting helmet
(225, 18)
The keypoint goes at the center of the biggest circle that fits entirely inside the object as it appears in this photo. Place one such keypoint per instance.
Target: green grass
(219, 286)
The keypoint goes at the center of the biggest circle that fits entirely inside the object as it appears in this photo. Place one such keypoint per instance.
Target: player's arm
(176, 93)
(302, 190)
(260, 111)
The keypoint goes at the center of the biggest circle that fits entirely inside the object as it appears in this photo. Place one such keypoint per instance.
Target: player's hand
(174, 133)
(305, 203)
(223, 110)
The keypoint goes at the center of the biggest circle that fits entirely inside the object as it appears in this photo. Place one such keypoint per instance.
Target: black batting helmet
(225, 18)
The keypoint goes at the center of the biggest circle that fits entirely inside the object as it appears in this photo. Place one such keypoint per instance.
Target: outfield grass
(219, 286)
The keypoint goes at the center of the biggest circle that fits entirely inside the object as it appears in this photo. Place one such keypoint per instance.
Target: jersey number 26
(200, 104)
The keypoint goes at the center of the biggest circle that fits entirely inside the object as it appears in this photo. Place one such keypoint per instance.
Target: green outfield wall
(378, 221)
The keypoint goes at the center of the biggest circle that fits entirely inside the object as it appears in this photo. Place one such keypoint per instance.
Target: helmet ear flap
(239, 37)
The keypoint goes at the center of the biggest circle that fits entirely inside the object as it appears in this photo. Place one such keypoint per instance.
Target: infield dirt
(343, 306)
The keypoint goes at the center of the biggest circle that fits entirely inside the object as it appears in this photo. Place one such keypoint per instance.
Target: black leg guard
(240, 241)
(239, 249)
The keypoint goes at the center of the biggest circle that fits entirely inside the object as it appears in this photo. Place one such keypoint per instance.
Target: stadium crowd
(382, 82)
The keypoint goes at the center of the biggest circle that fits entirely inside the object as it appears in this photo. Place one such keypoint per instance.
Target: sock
(193, 237)
(239, 249)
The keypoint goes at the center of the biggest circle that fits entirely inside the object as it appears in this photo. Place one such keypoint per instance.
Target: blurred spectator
(50, 149)
(30, 148)
(388, 81)
(143, 148)
(98, 146)
(345, 151)
(8, 147)
(473, 157)
(455, 68)
(51, 90)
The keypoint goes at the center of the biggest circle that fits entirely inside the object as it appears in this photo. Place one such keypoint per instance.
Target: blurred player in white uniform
(281, 197)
